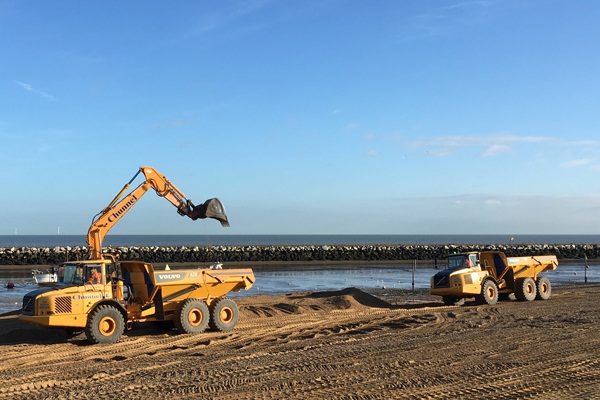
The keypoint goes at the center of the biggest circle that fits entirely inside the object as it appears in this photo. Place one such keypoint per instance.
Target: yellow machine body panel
(141, 293)
(532, 266)
(67, 304)
(157, 294)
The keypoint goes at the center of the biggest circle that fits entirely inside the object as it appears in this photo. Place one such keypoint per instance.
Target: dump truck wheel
(105, 325)
(192, 316)
(525, 289)
(453, 301)
(224, 315)
(543, 288)
(489, 293)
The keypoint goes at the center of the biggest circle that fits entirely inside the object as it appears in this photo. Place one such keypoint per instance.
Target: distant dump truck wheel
(543, 288)
(489, 293)
(525, 289)
(453, 301)
(105, 325)
(192, 316)
(224, 315)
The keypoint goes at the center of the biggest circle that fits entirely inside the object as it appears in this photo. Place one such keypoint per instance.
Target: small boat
(50, 277)
(217, 265)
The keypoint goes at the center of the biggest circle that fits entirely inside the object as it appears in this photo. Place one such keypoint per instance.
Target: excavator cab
(211, 208)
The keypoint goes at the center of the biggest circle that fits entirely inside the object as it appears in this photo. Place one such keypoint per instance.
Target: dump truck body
(155, 295)
(132, 291)
(490, 275)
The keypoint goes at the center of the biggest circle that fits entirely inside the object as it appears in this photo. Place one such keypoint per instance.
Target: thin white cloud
(495, 149)
(236, 19)
(492, 202)
(479, 140)
(438, 152)
(369, 136)
(487, 145)
(492, 144)
(468, 4)
(457, 203)
(30, 88)
(160, 126)
(444, 20)
(582, 162)
(392, 137)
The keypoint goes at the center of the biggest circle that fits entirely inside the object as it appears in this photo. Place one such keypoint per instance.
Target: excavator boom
(120, 205)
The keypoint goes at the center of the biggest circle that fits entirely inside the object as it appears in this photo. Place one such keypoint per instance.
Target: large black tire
(544, 289)
(192, 316)
(224, 315)
(525, 289)
(453, 300)
(105, 325)
(489, 293)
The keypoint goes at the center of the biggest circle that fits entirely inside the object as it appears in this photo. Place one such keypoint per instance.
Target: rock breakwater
(312, 253)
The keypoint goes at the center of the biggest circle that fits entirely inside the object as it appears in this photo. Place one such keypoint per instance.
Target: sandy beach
(346, 344)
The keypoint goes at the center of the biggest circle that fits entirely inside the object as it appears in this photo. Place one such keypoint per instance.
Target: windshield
(462, 261)
(83, 273)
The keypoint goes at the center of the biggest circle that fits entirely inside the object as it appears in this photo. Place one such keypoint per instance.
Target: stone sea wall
(210, 254)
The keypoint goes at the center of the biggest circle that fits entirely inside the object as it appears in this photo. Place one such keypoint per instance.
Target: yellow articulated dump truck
(490, 275)
(102, 297)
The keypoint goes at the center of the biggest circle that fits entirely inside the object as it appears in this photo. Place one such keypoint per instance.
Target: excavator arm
(120, 205)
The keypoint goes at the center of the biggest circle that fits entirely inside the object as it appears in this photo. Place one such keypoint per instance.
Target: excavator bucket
(211, 208)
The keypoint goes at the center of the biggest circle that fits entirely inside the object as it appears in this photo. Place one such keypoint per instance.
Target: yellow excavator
(120, 205)
(103, 295)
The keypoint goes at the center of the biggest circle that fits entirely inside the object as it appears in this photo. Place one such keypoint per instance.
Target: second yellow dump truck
(102, 297)
(490, 275)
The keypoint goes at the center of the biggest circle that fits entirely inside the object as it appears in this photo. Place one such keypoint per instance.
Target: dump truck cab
(82, 286)
(461, 279)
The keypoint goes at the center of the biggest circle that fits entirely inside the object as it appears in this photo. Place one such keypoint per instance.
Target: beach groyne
(304, 253)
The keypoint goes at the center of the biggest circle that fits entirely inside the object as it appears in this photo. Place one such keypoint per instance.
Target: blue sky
(304, 117)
